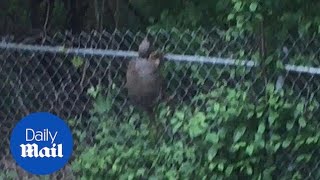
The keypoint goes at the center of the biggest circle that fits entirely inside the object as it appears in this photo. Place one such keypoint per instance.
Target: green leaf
(212, 137)
(171, 174)
(93, 91)
(230, 17)
(261, 128)
(238, 133)
(220, 166)
(77, 62)
(200, 116)
(216, 107)
(231, 94)
(102, 104)
(259, 17)
(250, 114)
(237, 5)
(212, 152)
(302, 122)
(176, 127)
(197, 125)
(286, 143)
(253, 6)
(249, 149)
(259, 114)
(300, 107)
(311, 140)
(229, 170)
(180, 115)
(186, 167)
(237, 146)
(249, 170)
(212, 165)
(222, 133)
(272, 117)
(289, 125)
(195, 131)
(276, 147)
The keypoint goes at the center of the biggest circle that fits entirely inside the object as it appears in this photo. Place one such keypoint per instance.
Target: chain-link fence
(233, 114)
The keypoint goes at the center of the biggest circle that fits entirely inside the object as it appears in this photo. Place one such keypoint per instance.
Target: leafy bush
(231, 135)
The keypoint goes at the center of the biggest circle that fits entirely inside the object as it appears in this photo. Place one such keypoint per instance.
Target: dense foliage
(226, 135)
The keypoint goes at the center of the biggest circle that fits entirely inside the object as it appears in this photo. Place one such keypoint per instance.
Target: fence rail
(133, 54)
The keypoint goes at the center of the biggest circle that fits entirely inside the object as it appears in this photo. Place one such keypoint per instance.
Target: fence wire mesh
(230, 116)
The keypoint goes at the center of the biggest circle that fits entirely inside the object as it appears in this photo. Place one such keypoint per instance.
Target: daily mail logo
(41, 143)
(32, 150)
